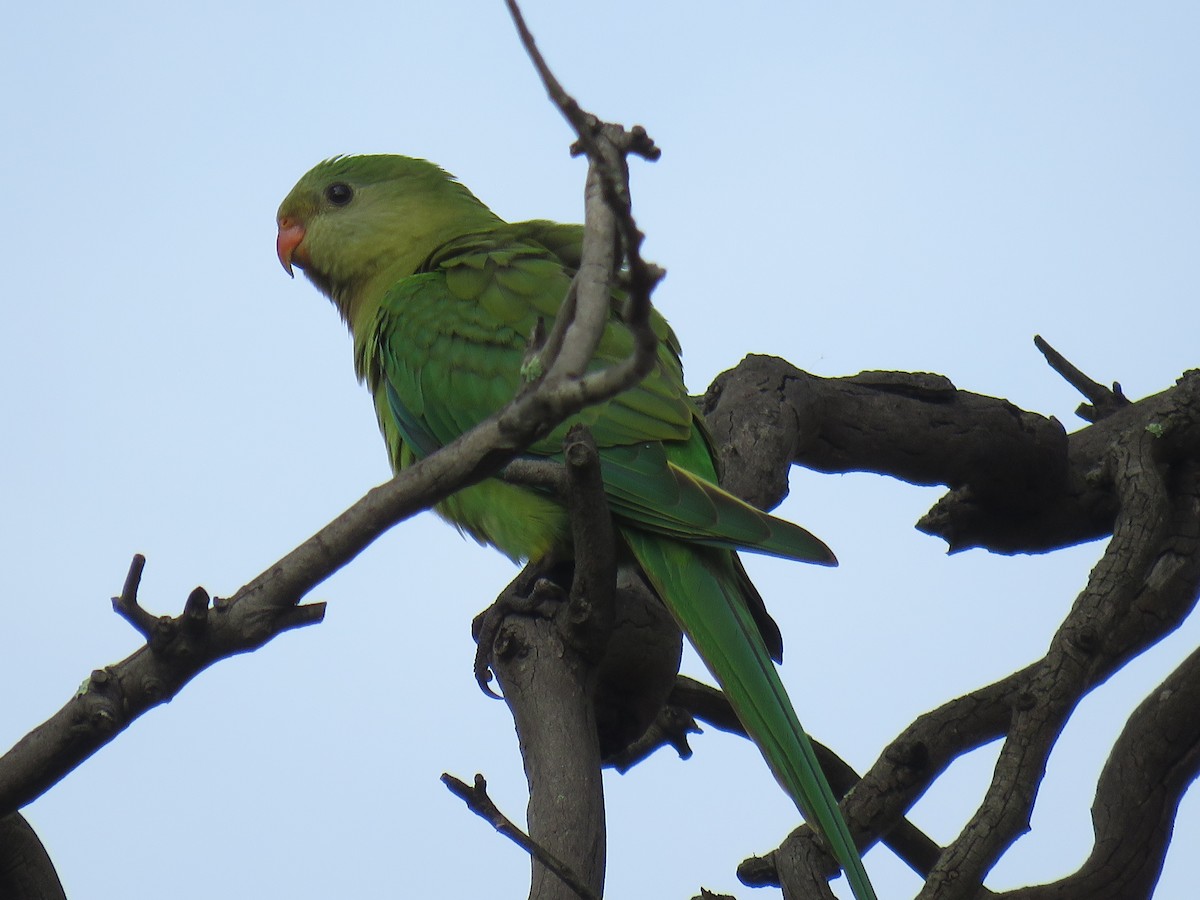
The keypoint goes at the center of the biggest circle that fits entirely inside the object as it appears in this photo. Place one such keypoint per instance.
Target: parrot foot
(535, 592)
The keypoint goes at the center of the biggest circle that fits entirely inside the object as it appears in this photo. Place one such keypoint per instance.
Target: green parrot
(441, 296)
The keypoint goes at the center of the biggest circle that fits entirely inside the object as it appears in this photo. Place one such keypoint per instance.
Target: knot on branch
(908, 755)
(623, 141)
(802, 862)
(180, 638)
(189, 638)
(99, 707)
(670, 728)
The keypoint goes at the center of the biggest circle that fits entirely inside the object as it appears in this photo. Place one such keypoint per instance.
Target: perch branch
(546, 664)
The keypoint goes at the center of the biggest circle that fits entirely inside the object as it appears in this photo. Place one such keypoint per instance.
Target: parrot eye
(339, 193)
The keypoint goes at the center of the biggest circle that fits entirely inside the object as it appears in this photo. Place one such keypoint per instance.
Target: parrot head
(352, 219)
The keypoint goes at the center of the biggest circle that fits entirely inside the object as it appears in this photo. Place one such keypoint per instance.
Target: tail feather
(700, 588)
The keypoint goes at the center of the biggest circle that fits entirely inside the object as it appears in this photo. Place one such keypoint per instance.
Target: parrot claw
(483, 674)
(529, 594)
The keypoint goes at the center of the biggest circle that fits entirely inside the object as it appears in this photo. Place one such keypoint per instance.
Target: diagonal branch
(267, 605)
(1154, 761)
(1065, 675)
(700, 700)
(1104, 402)
(479, 802)
(608, 224)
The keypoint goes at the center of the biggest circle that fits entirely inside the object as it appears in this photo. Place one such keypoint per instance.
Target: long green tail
(699, 586)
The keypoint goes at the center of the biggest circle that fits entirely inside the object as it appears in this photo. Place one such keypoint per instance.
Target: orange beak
(287, 244)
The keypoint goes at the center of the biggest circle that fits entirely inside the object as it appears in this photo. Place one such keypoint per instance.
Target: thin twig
(607, 212)
(545, 474)
(126, 603)
(593, 587)
(481, 804)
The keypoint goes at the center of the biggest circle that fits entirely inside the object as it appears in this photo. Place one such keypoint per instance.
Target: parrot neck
(358, 301)
(364, 284)
(351, 300)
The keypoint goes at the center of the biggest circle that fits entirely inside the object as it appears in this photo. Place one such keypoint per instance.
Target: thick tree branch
(26, 872)
(1086, 506)
(1119, 615)
(546, 665)
(920, 428)
(1019, 483)
(1064, 676)
(1155, 760)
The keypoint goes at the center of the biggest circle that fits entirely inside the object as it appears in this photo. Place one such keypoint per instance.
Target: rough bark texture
(1018, 484)
(26, 872)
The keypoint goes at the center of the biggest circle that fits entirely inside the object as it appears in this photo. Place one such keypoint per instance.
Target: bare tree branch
(1019, 483)
(26, 872)
(1064, 676)
(547, 666)
(1136, 462)
(916, 427)
(1154, 761)
(477, 800)
(1104, 402)
(608, 225)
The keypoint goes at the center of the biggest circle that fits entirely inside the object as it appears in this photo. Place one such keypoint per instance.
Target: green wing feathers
(645, 486)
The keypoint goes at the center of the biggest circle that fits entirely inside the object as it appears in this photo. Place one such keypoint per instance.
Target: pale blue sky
(916, 186)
